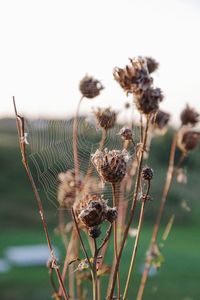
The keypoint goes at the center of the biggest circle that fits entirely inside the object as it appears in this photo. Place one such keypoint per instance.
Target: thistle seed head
(90, 87)
(148, 102)
(106, 117)
(188, 140)
(134, 78)
(147, 173)
(152, 64)
(189, 116)
(67, 188)
(126, 134)
(111, 165)
(161, 119)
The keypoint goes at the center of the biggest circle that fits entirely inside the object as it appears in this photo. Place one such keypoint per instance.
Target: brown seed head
(147, 173)
(90, 87)
(161, 119)
(134, 78)
(189, 116)
(111, 214)
(148, 102)
(126, 134)
(188, 140)
(111, 165)
(67, 188)
(152, 64)
(106, 117)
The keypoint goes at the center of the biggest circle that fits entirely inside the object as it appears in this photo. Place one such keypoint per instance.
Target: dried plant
(81, 192)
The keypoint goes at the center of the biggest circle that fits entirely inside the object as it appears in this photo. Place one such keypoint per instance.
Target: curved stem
(132, 211)
(136, 242)
(166, 189)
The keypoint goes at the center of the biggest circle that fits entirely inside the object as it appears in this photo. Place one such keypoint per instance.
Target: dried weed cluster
(94, 218)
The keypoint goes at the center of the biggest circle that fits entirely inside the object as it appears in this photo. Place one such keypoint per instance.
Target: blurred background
(46, 48)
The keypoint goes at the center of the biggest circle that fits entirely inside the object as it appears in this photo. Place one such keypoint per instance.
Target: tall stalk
(132, 211)
(166, 189)
(136, 242)
(21, 135)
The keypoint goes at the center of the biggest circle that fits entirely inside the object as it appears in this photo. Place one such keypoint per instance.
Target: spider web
(50, 151)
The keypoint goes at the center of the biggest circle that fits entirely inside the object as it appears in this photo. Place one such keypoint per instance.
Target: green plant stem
(132, 211)
(136, 242)
(21, 135)
(166, 189)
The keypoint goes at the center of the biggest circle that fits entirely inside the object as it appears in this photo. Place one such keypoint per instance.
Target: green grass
(177, 279)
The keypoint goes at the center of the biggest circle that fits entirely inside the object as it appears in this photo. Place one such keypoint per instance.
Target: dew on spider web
(50, 151)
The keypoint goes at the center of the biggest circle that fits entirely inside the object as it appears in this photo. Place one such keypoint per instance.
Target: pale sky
(47, 46)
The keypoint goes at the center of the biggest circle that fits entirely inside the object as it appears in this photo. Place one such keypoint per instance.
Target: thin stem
(132, 211)
(94, 271)
(75, 141)
(21, 135)
(166, 189)
(115, 204)
(136, 242)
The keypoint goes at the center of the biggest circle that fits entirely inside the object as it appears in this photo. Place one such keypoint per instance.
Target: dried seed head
(92, 210)
(148, 102)
(161, 119)
(67, 188)
(90, 87)
(111, 165)
(106, 117)
(147, 173)
(134, 78)
(111, 214)
(189, 116)
(152, 64)
(126, 134)
(94, 232)
(188, 140)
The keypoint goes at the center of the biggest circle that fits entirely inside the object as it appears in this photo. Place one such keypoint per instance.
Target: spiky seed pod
(67, 188)
(126, 134)
(152, 64)
(94, 232)
(111, 165)
(147, 173)
(134, 78)
(189, 116)
(106, 117)
(188, 140)
(161, 119)
(148, 102)
(111, 214)
(90, 87)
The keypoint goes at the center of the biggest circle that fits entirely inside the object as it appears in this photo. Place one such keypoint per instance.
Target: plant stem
(136, 242)
(75, 141)
(21, 135)
(94, 271)
(166, 189)
(132, 211)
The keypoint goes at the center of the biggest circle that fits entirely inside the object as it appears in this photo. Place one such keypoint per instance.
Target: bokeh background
(46, 48)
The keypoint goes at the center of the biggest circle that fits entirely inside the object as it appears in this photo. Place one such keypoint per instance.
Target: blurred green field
(178, 278)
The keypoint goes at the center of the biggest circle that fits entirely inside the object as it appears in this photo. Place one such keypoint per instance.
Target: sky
(46, 47)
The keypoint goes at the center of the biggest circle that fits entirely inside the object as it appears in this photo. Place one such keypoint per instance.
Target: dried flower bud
(148, 102)
(90, 87)
(152, 64)
(111, 165)
(161, 119)
(126, 134)
(147, 173)
(67, 188)
(189, 116)
(106, 117)
(135, 77)
(111, 214)
(187, 140)
(94, 232)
